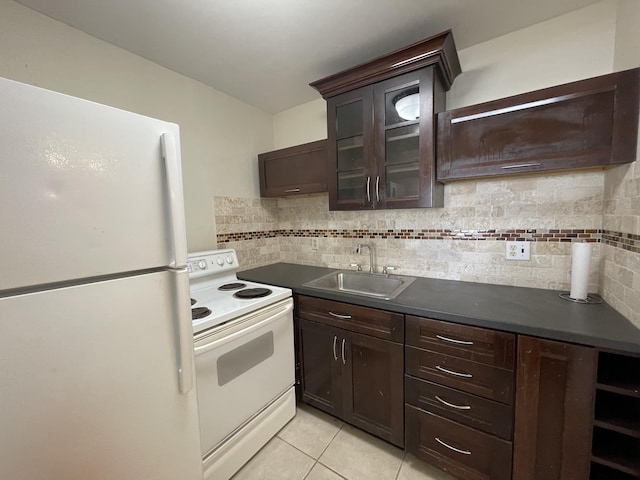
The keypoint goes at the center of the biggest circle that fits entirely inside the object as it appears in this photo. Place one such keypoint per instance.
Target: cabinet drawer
(368, 321)
(480, 345)
(484, 380)
(459, 450)
(471, 410)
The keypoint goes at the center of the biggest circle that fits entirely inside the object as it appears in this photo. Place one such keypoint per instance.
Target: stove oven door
(241, 368)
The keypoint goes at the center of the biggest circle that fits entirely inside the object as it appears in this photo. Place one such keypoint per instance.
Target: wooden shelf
(619, 374)
(622, 426)
(347, 148)
(620, 463)
(355, 173)
(604, 472)
(406, 136)
(617, 412)
(628, 389)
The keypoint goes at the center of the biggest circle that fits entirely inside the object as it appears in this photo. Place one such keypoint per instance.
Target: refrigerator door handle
(176, 205)
(184, 330)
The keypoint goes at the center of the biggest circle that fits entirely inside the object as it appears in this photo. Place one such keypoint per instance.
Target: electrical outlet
(314, 243)
(518, 250)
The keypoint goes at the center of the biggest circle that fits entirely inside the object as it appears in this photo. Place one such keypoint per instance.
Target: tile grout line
(342, 424)
(404, 456)
(315, 461)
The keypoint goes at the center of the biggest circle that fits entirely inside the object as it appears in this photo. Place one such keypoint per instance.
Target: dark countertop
(529, 311)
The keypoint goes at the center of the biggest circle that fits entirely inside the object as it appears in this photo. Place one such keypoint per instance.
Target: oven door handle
(245, 331)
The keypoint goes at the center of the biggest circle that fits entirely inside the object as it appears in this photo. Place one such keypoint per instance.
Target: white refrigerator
(96, 346)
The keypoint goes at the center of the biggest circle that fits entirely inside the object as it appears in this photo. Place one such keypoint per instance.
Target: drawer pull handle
(444, 444)
(459, 407)
(292, 190)
(335, 356)
(521, 165)
(451, 372)
(343, 317)
(453, 340)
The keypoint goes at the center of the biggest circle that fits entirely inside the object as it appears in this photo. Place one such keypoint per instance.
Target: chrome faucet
(359, 251)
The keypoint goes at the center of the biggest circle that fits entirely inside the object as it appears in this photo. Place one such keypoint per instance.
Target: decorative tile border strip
(626, 241)
(530, 235)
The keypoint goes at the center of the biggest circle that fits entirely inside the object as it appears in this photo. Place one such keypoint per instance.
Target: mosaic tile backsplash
(463, 241)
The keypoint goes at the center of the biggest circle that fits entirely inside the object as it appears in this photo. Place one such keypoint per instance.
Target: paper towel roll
(580, 260)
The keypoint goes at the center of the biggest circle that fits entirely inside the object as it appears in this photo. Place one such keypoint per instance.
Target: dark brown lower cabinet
(555, 384)
(321, 368)
(575, 415)
(355, 377)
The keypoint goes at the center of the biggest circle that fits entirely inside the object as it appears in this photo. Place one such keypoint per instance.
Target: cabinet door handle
(520, 165)
(292, 190)
(445, 444)
(377, 188)
(451, 372)
(335, 355)
(458, 407)
(369, 189)
(453, 340)
(344, 360)
(343, 317)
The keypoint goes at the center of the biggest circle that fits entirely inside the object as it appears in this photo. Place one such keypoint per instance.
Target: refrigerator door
(90, 384)
(85, 190)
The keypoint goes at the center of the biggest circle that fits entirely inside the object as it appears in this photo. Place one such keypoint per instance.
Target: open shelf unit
(615, 450)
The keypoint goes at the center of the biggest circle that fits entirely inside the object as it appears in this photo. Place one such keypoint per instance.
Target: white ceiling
(266, 52)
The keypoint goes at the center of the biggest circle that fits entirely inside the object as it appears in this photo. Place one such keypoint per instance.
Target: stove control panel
(212, 262)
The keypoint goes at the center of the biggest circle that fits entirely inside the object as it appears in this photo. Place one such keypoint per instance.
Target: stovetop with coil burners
(217, 296)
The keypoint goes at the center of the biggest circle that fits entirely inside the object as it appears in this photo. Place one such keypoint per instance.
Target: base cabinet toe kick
(478, 403)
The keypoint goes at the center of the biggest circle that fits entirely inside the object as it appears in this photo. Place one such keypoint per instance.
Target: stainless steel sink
(374, 285)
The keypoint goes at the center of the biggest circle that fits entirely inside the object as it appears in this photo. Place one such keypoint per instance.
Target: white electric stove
(244, 356)
(215, 288)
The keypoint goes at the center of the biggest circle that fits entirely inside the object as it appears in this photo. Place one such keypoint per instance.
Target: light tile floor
(316, 446)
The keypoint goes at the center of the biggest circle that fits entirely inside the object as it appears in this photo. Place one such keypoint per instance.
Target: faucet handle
(359, 267)
(386, 269)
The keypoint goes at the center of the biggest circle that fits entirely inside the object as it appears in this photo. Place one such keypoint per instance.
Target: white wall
(220, 135)
(627, 47)
(301, 124)
(564, 49)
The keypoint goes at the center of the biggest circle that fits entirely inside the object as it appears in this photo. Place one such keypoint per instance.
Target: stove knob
(202, 265)
(220, 261)
(229, 259)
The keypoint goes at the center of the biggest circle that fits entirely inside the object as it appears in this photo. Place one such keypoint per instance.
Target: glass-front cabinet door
(404, 130)
(382, 144)
(350, 144)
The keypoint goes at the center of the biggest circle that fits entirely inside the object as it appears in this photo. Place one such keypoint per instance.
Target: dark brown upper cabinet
(589, 123)
(381, 127)
(294, 170)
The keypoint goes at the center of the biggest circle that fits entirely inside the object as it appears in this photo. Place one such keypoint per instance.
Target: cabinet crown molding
(438, 50)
